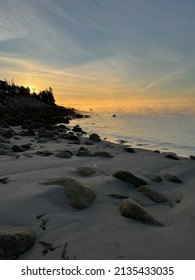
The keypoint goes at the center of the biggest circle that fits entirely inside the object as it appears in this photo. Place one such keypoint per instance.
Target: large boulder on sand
(129, 178)
(80, 195)
(15, 241)
(131, 209)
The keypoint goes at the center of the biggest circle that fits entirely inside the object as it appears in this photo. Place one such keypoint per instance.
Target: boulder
(129, 178)
(80, 195)
(171, 178)
(133, 210)
(103, 154)
(95, 137)
(85, 171)
(15, 241)
(152, 194)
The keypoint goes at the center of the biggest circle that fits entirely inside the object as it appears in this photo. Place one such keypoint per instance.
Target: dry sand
(98, 231)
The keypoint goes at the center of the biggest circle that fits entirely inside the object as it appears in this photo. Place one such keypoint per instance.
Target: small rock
(129, 150)
(15, 241)
(131, 209)
(153, 177)
(130, 178)
(80, 195)
(26, 147)
(86, 171)
(44, 153)
(8, 133)
(117, 196)
(77, 128)
(172, 156)
(46, 134)
(3, 124)
(192, 157)
(64, 154)
(2, 152)
(152, 194)
(84, 153)
(17, 149)
(95, 137)
(103, 154)
(28, 132)
(2, 140)
(171, 178)
(73, 137)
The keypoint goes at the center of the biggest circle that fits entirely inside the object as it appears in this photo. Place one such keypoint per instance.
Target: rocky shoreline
(69, 195)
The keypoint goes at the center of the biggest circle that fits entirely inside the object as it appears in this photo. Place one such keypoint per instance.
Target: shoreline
(140, 135)
(38, 171)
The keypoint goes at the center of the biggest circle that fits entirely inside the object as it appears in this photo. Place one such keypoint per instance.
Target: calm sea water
(165, 133)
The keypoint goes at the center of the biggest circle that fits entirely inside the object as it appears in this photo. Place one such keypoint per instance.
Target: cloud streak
(99, 49)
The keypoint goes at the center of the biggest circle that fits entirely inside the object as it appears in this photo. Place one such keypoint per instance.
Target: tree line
(46, 96)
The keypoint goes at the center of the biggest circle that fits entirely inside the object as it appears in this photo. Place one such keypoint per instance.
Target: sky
(108, 55)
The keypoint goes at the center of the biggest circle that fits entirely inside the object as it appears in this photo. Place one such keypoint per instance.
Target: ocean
(155, 132)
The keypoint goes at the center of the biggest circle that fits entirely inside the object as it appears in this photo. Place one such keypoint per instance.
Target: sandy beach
(35, 192)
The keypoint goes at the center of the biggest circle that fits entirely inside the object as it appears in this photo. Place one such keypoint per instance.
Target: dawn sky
(135, 55)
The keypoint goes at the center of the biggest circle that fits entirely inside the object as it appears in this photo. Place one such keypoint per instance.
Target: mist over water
(165, 133)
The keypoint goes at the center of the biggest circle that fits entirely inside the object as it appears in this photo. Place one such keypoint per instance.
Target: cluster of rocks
(44, 135)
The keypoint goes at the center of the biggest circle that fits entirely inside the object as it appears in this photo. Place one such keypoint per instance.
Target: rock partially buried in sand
(171, 178)
(152, 194)
(131, 209)
(80, 195)
(85, 171)
(129, 178)
(172, 156)
(103, 154)
(153, 177)
(15, 241)
(64, 154)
